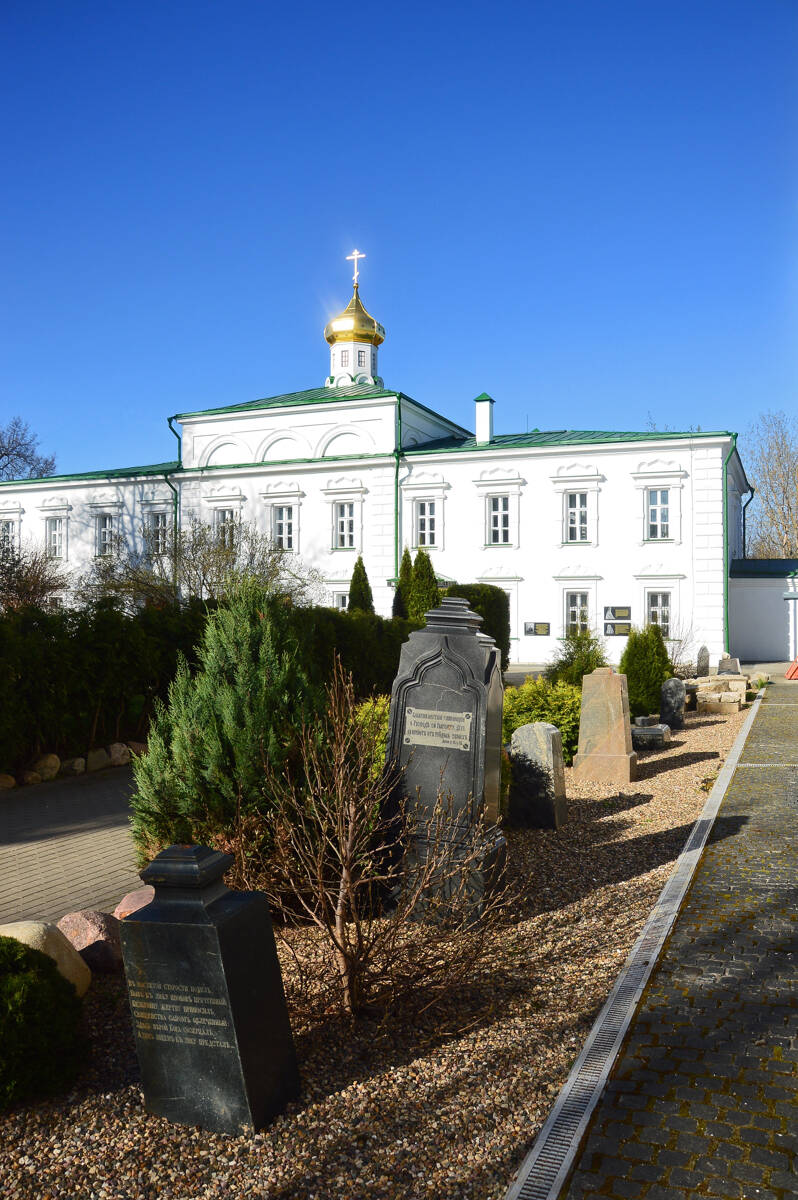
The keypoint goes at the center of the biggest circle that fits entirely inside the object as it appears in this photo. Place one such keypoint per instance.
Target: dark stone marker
(673, 696)
(537, 789)
(445, 723)
(702, 665)
(650, 737)
(729, 666)
(206, 996)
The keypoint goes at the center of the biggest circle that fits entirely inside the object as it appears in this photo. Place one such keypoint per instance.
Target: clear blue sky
(588, 208)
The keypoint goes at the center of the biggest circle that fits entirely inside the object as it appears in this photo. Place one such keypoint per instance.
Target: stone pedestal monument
(206, 995)
(444, 728)
(605, 752)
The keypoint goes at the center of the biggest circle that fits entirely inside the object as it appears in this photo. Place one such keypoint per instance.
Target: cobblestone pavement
(704, 1097)
(66, 845)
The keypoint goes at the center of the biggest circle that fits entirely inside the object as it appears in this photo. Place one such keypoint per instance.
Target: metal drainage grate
(549, 1162)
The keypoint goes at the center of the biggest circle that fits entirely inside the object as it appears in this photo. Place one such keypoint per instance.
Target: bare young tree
(375, 906)
(29, 577)
(18, 452)
(199, 561)
(771, 463)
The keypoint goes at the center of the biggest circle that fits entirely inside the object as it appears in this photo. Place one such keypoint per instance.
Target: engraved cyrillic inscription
(437, 727)
(185, 1016)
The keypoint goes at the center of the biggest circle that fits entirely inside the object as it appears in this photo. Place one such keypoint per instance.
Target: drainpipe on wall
(745, 506)
(726, 546)
(396, 453)
(175, 505)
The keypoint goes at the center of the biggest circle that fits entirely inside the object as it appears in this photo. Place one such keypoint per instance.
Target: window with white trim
(657, 522)
(7, 535)
(361, 358)
(104, 535)
(54, 537)
(341, 601)
(344, 358)
(658, 611)
(224, 525)
(158, 533)
(283, 526)
(498, 520)
(577, 614)
(575, 517)
(425, 523)
(344, 532)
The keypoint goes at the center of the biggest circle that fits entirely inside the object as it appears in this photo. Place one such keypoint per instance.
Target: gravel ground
(443, 1105)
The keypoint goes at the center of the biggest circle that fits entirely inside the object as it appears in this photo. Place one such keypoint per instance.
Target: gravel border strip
(548, 1164)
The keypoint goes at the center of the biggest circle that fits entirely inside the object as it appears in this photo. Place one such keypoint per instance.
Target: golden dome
(354, 324)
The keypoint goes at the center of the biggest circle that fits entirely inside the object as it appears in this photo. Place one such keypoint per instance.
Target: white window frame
(658, 501)
(283, 526)
(157, 524)
(9, 531)
(224, 523)
(341, 601)
(587, 483)
(672, 481)
(649, 581)
(578, 580)
(491, 486)
(283, 494)
(344, 525)
(104, 533)
(498, 520)
(425, 523)
(575, 517)
(651, 609)
(361, 359)
(55, 536)
(344, 358)
(346, 493)
(584, 625)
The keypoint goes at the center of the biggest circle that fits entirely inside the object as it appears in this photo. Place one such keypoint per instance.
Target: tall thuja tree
(240, 710)
(401, 597)
(424, 593)
(360, 597)
(646, 665)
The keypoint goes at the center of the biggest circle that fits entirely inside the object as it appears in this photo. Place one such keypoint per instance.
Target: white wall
(763, 624)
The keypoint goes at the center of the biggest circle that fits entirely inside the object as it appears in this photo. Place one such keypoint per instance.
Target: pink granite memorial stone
(605, 752)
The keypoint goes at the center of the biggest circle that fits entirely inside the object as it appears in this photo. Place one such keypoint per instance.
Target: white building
(610, 527)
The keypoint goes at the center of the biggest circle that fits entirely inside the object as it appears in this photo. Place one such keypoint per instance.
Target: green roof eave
(537, 439)
(321, 395)
(167, 468)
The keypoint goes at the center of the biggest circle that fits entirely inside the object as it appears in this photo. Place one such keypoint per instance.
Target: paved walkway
(704, 1097)
(66, 845)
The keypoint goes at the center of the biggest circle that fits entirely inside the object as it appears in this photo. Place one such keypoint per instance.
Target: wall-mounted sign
(537, 628)
(618, 612)
(617, 628)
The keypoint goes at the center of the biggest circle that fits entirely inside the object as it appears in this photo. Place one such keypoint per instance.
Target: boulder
(97, 759)
(729, 666)
(702, 666)
(137, 747)
(7, 782)
(133, 901)
(49, 939)
(28, 777)
(95, 936)
(673, 695)
(47, 766)
(73, 766)
(537, 790)
(119, 754)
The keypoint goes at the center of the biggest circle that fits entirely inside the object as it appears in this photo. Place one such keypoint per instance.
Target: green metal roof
(167, 468)
(555, 437)
(763, 568)
(320, 395)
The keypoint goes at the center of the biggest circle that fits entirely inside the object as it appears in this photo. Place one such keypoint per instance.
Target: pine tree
(401, 596)
(360, 597)
(424, 593)
(242, 708)
(646, 666)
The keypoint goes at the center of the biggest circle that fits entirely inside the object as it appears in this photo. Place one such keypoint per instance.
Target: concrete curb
(548, 1164)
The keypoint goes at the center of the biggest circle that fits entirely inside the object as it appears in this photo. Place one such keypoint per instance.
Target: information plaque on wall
(617, 612)
(617, 628)
(537, 628)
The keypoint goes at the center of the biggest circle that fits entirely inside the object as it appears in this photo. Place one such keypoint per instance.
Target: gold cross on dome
(354, 256)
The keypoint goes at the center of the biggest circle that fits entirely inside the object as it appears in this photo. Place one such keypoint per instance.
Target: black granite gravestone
(206, 995)
(445, 727)
(672, 700)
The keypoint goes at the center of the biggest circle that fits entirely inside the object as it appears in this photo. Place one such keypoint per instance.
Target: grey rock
(119, 754)
(73, 766)
(537, 790)
(702, 665)
(96, 760)
(47, 766)
(95, 936)
(673, 696)
(651, 737)
(644, 722)
(729, 666)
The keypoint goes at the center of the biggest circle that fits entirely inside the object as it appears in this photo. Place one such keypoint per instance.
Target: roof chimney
(484, 419)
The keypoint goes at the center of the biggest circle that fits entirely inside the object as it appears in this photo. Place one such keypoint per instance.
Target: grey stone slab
(650, 737)
(702, 663)
(537, 790)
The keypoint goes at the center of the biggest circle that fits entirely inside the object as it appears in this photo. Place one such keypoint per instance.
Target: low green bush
(646, 665)
(372, 715)
(493, 605)
(540, 700)
(40, 1042)
(578, 655)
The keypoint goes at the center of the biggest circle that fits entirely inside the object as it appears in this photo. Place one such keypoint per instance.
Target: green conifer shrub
(540, 700)
(240, 710)
(493, 605)
(424, 593)
(40, 1043)
(401, 596)
(360, 597)
(646, 665)
(578, 654)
